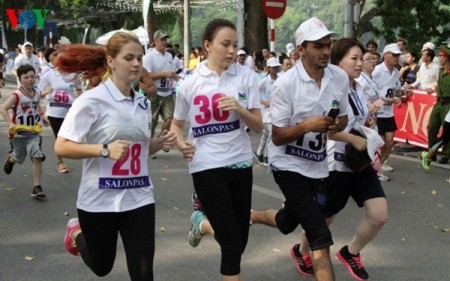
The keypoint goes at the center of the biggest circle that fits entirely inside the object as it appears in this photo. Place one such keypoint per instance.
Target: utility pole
(186, 34)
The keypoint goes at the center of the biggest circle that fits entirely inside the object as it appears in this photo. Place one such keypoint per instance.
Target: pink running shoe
(69, 242)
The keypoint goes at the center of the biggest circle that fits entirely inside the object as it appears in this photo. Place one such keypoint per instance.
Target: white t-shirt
(336, 149)
(155, 61)
(295, 98)
(388, 84)
(22, 59)
(219, 136)
(265, 88)
(103, 115)
(427, 76)
(61, 98)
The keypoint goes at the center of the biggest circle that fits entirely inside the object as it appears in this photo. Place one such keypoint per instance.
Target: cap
(311, 30)
(273, 62)
(159, 34)
(428, 45)
(27, 44)
(444, 51)
(289, 48)
(241, 52)
(392, 48)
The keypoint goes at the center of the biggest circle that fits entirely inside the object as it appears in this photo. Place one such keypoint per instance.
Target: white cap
(428, 45)
(392, 48)
(273, 62)
(311, 30)
(241, 52)
(27, 44)
(289, 48)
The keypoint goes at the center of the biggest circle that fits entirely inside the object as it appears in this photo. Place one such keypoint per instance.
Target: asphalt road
(414, 245)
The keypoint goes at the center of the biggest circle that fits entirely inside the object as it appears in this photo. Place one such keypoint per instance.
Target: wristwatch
(104, 152)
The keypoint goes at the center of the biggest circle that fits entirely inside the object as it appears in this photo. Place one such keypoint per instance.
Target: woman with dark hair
(342, 183)
(218, 100)
(107, 126)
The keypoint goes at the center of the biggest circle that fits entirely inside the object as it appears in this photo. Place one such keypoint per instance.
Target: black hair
(48, 52)
(341, 47)
(213, 27)
(24, 69)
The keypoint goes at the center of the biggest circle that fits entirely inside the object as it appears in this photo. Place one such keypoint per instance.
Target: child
(25, 127)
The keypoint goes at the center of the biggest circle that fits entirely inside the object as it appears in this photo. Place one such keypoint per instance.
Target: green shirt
(444, 84)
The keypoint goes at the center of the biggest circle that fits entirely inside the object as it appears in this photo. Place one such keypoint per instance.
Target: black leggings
(97, 242)
(55, 123)
(226, 196)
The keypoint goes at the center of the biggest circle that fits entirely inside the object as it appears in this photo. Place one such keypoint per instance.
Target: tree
(255, 26)
(418, 21)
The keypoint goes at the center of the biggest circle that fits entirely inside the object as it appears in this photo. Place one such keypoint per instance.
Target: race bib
(130, 172)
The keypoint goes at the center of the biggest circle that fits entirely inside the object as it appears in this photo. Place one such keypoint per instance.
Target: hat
(241, 52)
(444, 51)
(311, 30)
(289, 48)
(428, 45)
(392, 48)
(159, 34)
(273, 62)
(27, 44)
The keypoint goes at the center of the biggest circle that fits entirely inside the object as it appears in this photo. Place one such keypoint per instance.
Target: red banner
(412, 118)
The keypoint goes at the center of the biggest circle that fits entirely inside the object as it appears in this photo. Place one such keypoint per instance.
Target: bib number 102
(130, 164)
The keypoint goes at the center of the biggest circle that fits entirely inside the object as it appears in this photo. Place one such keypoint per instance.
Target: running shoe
(259, 158)
(69, 241)
(385, 167)
(426, 162)
(382, 177)
(353, 264)
(266, 161)
(195, 234)
(37, 192)
(303, 263)
(8, 167)
(196, 202)
(61, 168)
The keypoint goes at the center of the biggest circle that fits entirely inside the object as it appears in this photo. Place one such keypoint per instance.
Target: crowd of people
(313, 104)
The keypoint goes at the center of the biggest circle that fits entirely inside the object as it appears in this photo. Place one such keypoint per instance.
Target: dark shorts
(386, 125)
(301, 208)
(340, 186)
(163, 106)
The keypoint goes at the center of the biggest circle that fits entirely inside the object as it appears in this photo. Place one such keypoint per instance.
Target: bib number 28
(130, 164)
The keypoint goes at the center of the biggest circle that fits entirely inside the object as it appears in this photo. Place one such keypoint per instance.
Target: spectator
(372, 46)
(428, 73)
(408, 73)
(401, 43)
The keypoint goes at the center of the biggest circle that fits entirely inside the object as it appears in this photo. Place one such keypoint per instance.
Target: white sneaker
(385, 167)
(382, 177)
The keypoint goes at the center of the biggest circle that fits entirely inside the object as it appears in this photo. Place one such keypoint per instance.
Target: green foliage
(418, 21)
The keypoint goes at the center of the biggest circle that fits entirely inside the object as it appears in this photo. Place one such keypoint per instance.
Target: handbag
(356, 160)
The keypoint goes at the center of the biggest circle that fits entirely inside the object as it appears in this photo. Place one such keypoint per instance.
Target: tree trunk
(151, 22)
(255, 26)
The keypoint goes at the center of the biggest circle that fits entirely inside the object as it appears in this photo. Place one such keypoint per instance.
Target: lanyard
(371, 85)
(359, 104)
